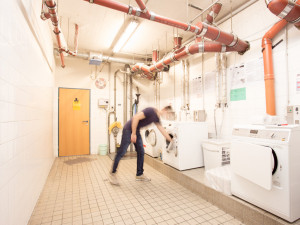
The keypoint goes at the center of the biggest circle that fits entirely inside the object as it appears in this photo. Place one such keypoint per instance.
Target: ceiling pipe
(51, 5)
(143, 7)
(177, 42)
(210, 17)
(268, 66)
(215, 9)
(204, 46)
(202, 29)
(286, 9)
(108, 59)
(66, 50)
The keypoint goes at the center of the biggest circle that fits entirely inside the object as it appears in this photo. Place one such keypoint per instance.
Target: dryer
(153, 140)
(186, 152)
(265, 168)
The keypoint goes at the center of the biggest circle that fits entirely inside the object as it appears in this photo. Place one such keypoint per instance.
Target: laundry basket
(216, 153)
(103, 149)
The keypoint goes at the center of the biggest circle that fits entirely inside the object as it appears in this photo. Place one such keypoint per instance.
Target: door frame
(89, 117)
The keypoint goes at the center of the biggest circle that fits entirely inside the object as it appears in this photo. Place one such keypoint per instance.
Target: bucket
(103, 149)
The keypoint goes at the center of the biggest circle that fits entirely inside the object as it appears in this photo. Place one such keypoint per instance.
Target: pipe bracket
(223, 49)
(137, 12)
(200, 47)
(204, 29)
(130, 10)
(217, 35)
(152, 16)
(57, 33)
(234, 42)
(287, 9)
(91, 1)
(51, 7)
(188, 28)
(187, 51)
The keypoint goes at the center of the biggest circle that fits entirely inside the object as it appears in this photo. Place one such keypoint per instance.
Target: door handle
(85, 121)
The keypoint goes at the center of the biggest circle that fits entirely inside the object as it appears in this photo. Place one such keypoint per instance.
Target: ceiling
(100, 27)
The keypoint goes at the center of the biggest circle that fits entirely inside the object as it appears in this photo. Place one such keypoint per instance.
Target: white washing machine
(187, 144)
(153, 140)
(265, 163)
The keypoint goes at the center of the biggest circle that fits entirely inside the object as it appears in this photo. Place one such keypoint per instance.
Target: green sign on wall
(238, 94)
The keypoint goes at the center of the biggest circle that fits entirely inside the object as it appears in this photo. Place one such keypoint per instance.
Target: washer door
(253, 162)
(151, 137)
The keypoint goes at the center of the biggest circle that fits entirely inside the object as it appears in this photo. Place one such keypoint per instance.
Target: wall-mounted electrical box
(199, 115)
(293, 114)
(103, 103)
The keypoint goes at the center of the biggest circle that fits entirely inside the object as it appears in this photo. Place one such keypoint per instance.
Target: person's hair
(168, 108)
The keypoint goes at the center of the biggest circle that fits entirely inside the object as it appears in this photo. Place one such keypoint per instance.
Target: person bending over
(131, 133)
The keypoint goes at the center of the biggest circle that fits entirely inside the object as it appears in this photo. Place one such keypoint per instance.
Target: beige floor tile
(80, 193)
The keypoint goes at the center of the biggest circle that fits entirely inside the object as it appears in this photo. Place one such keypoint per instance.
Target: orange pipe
(215, 9)
(268, 66)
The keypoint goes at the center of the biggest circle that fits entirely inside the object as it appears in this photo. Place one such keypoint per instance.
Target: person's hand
(133, 138)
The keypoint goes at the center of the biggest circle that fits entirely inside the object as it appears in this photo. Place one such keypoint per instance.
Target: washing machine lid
(252, 162)
(151, 137)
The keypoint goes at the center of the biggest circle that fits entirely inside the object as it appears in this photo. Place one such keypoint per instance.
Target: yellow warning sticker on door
(76, 104)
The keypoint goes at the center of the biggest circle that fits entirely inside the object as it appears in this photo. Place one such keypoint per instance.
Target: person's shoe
(112, 177)
(142, 178)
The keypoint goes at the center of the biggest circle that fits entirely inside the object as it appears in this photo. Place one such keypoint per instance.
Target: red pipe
(203, 29)
(177, 42)
(286, 9)
(143, 7)
(155, 56)
(215, 9)
(205, 46)
(268, 66)
(51, 5)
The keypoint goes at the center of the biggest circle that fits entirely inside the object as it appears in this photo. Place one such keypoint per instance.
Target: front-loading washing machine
(265, 168)
(186, 150)
(153, 140)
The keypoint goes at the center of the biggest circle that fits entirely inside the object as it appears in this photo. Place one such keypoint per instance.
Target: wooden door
(74, 122)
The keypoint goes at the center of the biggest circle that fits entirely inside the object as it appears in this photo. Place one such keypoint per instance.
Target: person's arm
(163, 131)
(135, 121)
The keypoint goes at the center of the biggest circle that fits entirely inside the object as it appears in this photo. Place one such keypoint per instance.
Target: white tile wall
(26, 86)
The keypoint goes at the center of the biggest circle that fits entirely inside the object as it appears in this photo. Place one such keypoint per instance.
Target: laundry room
(150, 112)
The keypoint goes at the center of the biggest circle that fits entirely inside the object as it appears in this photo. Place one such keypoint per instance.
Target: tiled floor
(77, 192)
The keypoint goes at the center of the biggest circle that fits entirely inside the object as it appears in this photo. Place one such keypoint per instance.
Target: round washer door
(151, 137)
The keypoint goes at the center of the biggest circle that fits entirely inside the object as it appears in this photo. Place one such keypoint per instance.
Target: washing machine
(185, 151)
(266, 169)
(153, 140)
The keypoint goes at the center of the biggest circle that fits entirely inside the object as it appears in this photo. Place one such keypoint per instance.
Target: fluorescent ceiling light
(125, 36)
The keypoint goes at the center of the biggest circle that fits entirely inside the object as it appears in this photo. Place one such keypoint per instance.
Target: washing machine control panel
(276, 135)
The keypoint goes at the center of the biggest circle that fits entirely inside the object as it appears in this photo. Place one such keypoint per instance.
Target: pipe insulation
(204, 46)
(201, 28)
(288, 10)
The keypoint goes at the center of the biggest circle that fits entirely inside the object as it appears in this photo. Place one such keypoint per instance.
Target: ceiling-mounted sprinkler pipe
(286, 9)
(202, 29)
(268, 66)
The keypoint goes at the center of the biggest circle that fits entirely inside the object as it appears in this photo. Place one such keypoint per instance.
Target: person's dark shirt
(150, 117)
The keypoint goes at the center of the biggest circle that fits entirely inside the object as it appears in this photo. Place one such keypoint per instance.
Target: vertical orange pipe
(268, 66)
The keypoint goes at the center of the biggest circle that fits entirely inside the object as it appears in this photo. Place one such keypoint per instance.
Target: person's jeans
(139, 148)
